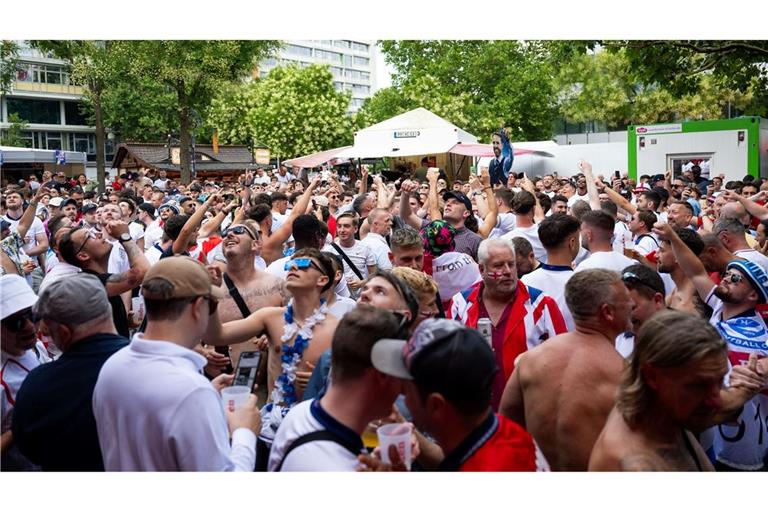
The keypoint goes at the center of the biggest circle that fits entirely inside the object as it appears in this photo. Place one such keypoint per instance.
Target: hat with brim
(460, 198)
(755, 275)
(15, 295)
(387, 357)
(187, 276)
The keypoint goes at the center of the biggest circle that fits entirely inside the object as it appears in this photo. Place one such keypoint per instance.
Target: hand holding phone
(247, 366)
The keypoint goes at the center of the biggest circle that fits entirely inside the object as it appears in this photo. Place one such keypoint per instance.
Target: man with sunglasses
(256, 288)
(21, 352)
(737, 446)
(154, 410)
(309, 275)
(82, 249)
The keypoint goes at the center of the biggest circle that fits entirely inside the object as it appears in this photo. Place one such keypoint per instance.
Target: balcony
(36, 87)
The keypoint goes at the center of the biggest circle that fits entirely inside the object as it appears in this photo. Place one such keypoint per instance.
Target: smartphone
(617, 175)
(247, 366)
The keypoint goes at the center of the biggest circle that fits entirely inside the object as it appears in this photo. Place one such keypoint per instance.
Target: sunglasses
(733, 277)
(632, 278)
(302, 264)
(16, 322)
(239, 230)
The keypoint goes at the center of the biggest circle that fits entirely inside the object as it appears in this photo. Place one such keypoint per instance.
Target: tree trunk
(184, 137)
(100, 136)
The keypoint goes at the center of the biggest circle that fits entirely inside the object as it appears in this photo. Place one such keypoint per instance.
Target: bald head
(735, 210)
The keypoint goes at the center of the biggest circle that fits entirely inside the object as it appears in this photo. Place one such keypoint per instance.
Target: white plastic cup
(398, 434)
(234, 397)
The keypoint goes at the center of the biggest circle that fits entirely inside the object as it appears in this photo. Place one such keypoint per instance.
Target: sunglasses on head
(632, 278)
(239, 230)
(302, 264)
(17, 321)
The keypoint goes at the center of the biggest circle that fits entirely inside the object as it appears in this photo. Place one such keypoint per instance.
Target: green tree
(13, 135)
(140, 110)
(489, 83)
(293, 111)
(9, 60)
(606, 87)
(194, 71)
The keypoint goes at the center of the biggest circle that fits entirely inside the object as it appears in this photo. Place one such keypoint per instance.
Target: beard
(723, 294)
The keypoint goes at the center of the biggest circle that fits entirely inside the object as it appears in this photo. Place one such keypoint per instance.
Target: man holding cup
(154, 409)
(448, 371)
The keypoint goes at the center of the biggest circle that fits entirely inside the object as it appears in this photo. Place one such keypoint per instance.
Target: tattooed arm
(123, 282)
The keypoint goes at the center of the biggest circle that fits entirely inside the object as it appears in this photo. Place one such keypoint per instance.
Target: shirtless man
(259, 289)
(309, 276)
(683, 297)
(669, 392)
(562, 390)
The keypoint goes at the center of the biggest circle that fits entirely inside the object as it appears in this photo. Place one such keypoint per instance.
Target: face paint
(495, 275)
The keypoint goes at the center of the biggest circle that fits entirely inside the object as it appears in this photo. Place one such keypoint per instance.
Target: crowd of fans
(515, 323)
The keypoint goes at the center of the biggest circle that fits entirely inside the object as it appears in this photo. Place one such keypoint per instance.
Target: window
(361, 61)
(73, 115)
(270, 63)
(51, 140)
(357, 102)
(42, 74)
(358, 75)
(339, 86)
(35, 111)
(337, 72)
(331, 56)
(361, 89)
(341, 44)
(82, 142)
(299, 50)
(360, 47)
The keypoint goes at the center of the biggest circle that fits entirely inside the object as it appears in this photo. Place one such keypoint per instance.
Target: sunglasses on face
(733, 277)
(301, 264)
(16, 322)
(239, 230)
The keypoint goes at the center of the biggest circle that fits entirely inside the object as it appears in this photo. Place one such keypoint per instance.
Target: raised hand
(663, 230)
(433, 173)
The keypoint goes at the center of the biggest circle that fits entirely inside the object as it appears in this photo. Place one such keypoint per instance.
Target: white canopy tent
(417, 132)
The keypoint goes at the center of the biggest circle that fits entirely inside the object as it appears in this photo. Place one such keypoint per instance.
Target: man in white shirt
(162, 181)
(597, 234)
(524, 205)
(154, 409)
(359, 254)
(732, 234)
(21, 352)
(357, 395)
(505, 219)
(36, 241)
(641, 225)
(559, 234)
(380, 222)
(283, 176)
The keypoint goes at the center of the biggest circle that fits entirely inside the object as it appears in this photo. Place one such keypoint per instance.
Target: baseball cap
(459, 197)
(662, 192)
(56, 202)
(147, 207)
(442, 355)
(188, 278)
(87, 208)
(15, 295)
(755, 275)
(645, 276)
(74, 299)
(67, 202)
(4, 224)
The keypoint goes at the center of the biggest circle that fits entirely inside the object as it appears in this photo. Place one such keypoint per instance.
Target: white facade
(352, 63)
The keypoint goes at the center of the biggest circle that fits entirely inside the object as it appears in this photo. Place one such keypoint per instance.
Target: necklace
(284, 392)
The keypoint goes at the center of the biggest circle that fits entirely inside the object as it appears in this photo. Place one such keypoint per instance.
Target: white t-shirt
(136, 230)
(278, 220)
(380, 249)
(118, 259)
(30, 238)
(342, 306)
(576, 197)
(753, 256)
(160, 183)
(505, 222)
(170, 417)
(743, 444)
(152, 235)
(61, 270)
(551, 279)
(14, 371)
(361, 255)
(608, 260)
(646, 243)
(304, 418)
(625, 344)
(621, 234)
(532, 235)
